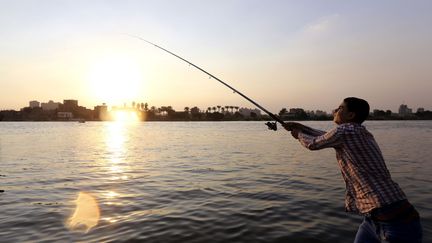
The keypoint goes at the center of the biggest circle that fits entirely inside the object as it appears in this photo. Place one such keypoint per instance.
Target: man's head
(351, 110)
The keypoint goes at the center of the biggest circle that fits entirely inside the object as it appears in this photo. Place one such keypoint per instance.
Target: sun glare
(126, 116)
(115, 79)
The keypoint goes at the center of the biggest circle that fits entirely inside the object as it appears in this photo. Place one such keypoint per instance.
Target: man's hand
(295, 133)
(290, 126)
(294, 128)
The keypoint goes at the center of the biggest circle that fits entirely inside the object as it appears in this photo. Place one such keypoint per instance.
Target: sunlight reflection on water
(115, 138)
(86, 214)
(188, 182)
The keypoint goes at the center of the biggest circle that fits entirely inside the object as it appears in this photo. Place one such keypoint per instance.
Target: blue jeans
(371, 231)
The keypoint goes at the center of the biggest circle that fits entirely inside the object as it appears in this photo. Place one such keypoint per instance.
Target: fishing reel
(272, 126)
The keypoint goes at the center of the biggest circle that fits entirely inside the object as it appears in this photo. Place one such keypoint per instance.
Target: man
(370, 190)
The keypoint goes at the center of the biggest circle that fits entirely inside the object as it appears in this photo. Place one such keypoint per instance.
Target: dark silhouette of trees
(381, 115)
(424, 115)
(163, 113)
(283, 112)
(195, 113)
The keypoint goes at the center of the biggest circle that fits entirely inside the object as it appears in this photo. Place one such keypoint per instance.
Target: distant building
(101, 112)
(404, 110)
(246, 112)
(51, 105)
(64, 115)
(420, 110)
(70, 105)
(34, 104)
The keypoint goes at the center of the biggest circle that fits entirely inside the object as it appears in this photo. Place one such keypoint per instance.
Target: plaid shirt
(367, 179)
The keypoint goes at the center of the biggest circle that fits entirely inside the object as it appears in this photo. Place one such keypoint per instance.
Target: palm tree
(153, 110)
(218, 107)
(194, 110)
(214, 109)
(186, 109)
(209, 109)
(226, 108)
(237, 108)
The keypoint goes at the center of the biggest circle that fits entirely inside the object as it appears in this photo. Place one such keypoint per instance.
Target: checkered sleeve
(312, 132)
(330, 139)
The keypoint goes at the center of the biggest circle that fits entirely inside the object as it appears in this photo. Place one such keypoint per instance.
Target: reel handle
(272, 125)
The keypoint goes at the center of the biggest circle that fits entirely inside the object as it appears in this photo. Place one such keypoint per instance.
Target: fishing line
(271, 125)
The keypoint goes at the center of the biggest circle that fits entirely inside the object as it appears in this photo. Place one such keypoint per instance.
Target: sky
(308, 54)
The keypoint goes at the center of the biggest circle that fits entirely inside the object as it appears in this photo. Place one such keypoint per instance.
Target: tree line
(211, 113)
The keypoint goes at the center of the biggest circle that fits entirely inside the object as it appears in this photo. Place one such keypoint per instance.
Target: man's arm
(330, 139)
(304, 129)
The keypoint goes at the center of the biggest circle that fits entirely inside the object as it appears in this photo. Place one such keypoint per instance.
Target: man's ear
(351, 116)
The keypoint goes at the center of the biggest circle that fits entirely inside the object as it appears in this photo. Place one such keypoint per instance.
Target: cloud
(317, 39)
(323, 25)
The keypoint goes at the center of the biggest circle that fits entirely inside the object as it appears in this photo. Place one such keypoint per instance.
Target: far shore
(263, 119)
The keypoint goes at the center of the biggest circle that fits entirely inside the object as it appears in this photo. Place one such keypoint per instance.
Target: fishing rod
(271, 125)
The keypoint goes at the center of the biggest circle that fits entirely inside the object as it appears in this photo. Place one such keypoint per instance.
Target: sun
(115, 79)
(125, 116)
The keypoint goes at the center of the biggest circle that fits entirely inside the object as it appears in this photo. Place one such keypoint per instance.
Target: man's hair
(359, 107)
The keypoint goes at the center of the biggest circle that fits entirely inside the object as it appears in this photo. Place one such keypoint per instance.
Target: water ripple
(190, 182)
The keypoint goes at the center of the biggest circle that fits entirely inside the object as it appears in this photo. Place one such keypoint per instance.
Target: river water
(190, 182)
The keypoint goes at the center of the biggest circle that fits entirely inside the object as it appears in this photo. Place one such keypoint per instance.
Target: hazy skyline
(308, 54)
